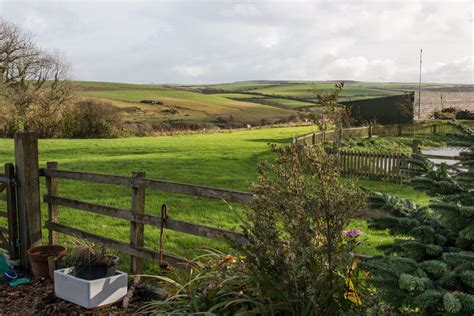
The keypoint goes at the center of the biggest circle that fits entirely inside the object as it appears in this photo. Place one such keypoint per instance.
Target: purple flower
(352, 233)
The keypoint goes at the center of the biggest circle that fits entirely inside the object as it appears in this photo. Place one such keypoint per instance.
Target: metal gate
(9, 234)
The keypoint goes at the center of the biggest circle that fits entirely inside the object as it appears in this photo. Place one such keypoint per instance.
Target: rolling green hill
(237, 104)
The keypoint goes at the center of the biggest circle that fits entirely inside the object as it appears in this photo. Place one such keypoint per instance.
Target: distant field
(208, 106)
(252, 102)
(309, 90)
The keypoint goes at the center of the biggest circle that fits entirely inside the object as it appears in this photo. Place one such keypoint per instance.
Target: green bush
(92, 119)
(298, 254)
(298, 259)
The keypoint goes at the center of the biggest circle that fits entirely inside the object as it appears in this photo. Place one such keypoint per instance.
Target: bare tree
(34, 85)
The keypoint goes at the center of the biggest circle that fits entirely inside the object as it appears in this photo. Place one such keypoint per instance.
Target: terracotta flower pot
(38, 258)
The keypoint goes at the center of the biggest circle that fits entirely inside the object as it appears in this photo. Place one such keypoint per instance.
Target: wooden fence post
(137, 229)
(27, 176)
(12, 211)
(53, 210)
(415, 147)
(399, 129)
(370, 131)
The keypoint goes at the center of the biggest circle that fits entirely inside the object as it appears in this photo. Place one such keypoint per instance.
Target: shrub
(445, 114)
(92, 119)
(297, 254)
(298, 259)
(465, 115)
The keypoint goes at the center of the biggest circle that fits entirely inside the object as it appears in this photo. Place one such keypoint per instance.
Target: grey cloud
(221, 41)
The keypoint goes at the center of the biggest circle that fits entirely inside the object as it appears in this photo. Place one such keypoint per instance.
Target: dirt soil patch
(37, 298)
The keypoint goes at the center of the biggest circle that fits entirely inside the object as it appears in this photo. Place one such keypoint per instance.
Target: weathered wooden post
(370, 131)
(137, 229)
(399, 129)
(415, 147)
(27, 176)
(53, 210)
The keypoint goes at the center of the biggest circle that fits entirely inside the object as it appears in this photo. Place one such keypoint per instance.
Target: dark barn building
(397, 109)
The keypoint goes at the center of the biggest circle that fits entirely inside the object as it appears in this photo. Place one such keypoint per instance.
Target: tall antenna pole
(419, 87)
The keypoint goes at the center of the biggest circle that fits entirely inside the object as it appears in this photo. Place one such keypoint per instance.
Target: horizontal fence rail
(324, 137)
(135, 215)
(181, 226)
(152, 184)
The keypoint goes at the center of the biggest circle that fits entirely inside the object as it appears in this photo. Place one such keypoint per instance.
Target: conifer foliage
(432, 272)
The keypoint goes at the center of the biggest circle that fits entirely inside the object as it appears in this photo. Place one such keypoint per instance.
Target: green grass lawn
(223, 160)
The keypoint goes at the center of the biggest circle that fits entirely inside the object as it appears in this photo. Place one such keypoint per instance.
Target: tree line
(37, 94)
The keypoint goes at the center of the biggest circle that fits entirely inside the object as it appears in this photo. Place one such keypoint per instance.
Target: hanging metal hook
(164, 216)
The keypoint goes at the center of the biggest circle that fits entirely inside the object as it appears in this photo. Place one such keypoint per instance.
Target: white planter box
(90, 293)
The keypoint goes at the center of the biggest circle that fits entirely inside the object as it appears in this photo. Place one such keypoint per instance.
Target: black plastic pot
(94, 271)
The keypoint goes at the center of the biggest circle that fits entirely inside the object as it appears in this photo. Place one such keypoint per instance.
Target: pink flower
(352, 233)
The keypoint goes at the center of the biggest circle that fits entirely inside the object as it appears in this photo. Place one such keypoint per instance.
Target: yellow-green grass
(309, 90)
(98, 85)
(150, 113)
(277, 102)
(207, 104)
(239, 96)
(287, 103)
(224, 160)
(240, 86)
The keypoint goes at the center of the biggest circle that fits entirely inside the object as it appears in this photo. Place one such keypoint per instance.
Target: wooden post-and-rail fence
(24, 212)
(380, 166)
(24, 219)
(22, 196)
(9, 235)
(26, 231)
(323, 137)
(136, 215)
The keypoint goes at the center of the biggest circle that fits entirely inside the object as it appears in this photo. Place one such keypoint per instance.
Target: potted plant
(90, 262)
(91, 278)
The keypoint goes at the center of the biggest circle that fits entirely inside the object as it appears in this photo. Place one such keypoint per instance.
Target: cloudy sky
(232, 40)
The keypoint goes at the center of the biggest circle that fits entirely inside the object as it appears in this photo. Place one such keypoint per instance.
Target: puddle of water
(448, 155)
(447, 151)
